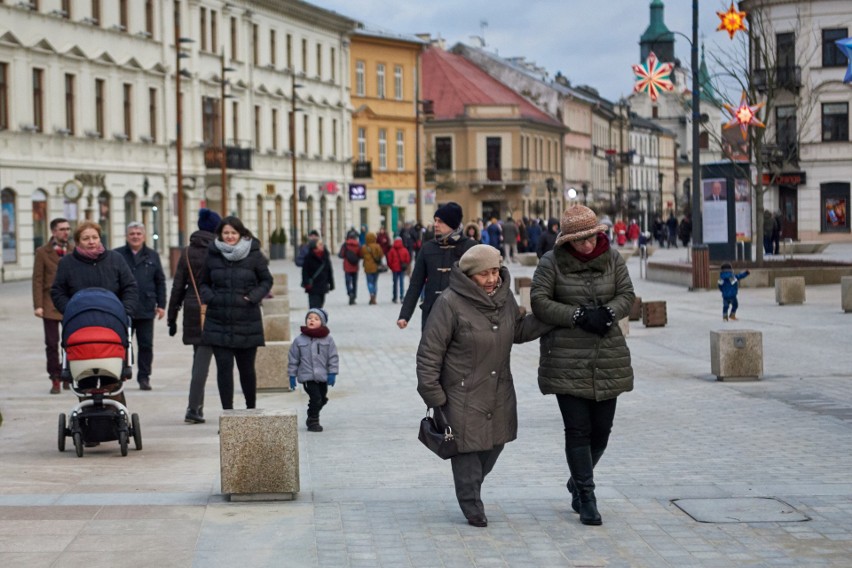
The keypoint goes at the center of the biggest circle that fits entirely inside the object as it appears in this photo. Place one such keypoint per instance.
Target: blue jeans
(352, 284)
(400, 278)
(732, 302)
(372, 283)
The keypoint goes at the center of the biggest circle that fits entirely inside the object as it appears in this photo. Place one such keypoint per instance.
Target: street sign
(357, 192)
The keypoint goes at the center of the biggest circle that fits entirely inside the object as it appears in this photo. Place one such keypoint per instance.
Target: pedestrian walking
(383, 240)
(350, 252)
(464, 369)
(671, 227)
(583, 288)
(495, 234)
(372, 254)
(313, 361)
(471, 231)
(620, 231)
(729, 285)
(548, 237)
(305, 247)
(431, 274)
(235, 280)
(144, 263)
(633, 232)
(317, 274)
(398, 260)
(185, 294)
(46, 261)
(510, 239)
(684, 230)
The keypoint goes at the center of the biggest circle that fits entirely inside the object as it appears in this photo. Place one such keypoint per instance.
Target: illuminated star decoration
(653, 77)
(845, 46)
(733, 21)
(744, 115)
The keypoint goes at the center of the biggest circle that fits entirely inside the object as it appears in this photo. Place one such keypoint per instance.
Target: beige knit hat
(479, 258)
(578, 222)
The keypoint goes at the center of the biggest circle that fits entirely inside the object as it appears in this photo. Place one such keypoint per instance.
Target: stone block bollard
(276, 327)
(654, 314)
(790, 290)
(525, 299)
(259, 454)
(271, 366)
(278, 291)
(280, 280)
(736, 355)
(527, 258)
(276, 306)
(522, 282)
(636, 309)
(846, 293)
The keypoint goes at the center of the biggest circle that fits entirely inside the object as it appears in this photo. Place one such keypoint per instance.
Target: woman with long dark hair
(235, 280)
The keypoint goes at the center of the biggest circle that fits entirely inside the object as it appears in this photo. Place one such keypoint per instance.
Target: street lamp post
(224, 154)
(697, 222)
(294, 204)
(418, 188)
(179, 54)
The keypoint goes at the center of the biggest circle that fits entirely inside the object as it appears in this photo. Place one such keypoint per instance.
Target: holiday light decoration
(744, 115)
(653, 77)
(845, 46)
(733, 21)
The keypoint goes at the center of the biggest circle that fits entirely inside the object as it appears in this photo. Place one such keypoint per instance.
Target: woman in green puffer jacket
(583, 288)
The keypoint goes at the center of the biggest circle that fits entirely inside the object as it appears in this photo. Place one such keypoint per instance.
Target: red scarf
(60, 249)
(316, 333)
(601, 247)
(91, 255)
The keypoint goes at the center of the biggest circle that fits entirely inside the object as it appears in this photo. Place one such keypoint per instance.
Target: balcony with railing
(788, 77)
(486, 176)
(238, 158)
(362, 170)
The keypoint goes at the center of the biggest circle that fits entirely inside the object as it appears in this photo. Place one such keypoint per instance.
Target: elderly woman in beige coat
(583, 288)
(463, 368)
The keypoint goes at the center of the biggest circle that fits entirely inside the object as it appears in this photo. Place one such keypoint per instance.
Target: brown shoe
(734, 317)
(66, 385)
(54, 388)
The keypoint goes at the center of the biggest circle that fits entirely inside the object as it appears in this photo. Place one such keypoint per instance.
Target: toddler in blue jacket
(313, 361)
(729, 285)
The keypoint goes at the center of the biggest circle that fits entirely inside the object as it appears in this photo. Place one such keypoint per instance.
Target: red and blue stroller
(97, 359)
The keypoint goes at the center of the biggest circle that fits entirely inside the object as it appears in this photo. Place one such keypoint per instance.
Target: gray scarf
(236, 252)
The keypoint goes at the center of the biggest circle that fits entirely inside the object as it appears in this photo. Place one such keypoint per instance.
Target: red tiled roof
(451, 82)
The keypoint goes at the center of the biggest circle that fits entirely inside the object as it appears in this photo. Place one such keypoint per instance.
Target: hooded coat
(233, 291)
(463, 361)
(574, 361)
(372, 254)
(476, 232)
(183, 292)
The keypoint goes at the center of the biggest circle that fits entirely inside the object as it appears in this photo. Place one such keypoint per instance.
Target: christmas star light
(744, 115)
(845, 46)
(653, 77)
(733, 21)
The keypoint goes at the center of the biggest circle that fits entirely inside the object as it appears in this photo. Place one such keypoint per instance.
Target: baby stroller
(96, 359)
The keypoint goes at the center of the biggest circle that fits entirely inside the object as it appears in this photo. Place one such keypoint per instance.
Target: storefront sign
(386, 197)
(357, 192)
(787, 178)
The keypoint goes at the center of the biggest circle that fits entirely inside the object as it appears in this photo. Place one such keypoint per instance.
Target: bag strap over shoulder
(192, 276)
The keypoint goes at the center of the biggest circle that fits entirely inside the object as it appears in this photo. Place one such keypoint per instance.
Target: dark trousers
(143, 331)
(51, 348)
(317, 392)
(201, 355)
(587, 422)
(352, 284)
(729, 302)
(225, 358)
(469, 471)
(316, 300)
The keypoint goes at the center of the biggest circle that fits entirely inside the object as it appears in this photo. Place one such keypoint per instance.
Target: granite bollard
(280, 280)
(846, 293)
(270, 366)
(259, 454)
(276, 306)
(525, 299)
(276, 327)
(790, 290)
(521, 282)
(736, 355)
(527, 258)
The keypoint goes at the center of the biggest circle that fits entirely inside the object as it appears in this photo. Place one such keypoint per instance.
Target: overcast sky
(592, 42)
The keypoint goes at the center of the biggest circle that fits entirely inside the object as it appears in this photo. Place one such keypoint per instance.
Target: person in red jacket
(633, 233)
(398, 259)
(383, 240)
(620, 230)
(350, 252)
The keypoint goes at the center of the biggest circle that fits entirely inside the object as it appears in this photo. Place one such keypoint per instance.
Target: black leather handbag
(441, 442)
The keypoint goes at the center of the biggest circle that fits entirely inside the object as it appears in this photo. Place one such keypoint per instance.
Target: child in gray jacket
(313, 362)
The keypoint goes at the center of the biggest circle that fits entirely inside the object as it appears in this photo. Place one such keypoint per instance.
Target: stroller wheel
(122, 441)
(78, 444)
(136, 430)
(62, 433)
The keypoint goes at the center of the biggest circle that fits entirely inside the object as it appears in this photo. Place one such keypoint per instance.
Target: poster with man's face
(715, 210)
(715, 190)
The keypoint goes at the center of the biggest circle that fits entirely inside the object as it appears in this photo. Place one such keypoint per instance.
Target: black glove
(580, 318)
(172, 328)
(598, 320)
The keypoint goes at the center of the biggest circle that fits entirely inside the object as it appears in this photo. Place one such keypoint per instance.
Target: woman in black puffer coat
(235, 280)
(317, 274)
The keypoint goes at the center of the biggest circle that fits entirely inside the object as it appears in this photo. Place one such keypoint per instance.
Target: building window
(69, 103)
(362, 144)
(122, 14)
(443, 153)
(210, 121)
(383, 149)
(835, 122)
(9, 210)
(380, 80)
(66, 9)
(400, 150)
(703, 140)
(289, 52)
(333, 64)
(397, 82)
(255, 48)
(305, 135)
(152, 114)
(359, 79)
(129, 207)
(4, 96)
(320, 138)
(275, 129)
(99, 107)
(38, 100)
(273, 48)
(493, 157)
(39, 203)
(203, 30)
(785, 130)
(149, 17)
(128, 109)
(334, 137)
(835, 206)
(96, 11)
(257, 128)
(214, 32)
(831, 55)
(785, 53)
(304, 57)
(234, 53)
(235, 123)
(319, 60)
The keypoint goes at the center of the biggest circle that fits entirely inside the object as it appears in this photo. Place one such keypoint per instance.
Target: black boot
(582, 473)
(194, 416)
(572, 487)
(313, 424)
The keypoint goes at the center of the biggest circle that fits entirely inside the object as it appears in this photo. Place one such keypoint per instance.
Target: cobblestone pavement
(373, 496)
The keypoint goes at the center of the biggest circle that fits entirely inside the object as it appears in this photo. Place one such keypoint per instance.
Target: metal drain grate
(740, 510)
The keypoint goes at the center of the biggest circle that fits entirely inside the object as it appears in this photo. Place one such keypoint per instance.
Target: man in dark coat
(434, 261)
(185, 292)
(548, 238)
(145, 265)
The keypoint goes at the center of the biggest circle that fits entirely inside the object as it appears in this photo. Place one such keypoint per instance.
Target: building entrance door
(490, 210)
(787, 196)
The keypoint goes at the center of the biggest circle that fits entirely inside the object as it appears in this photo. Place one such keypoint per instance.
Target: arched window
(261, 225)
(39, 218)
(104, 216)
(10, 226)
(130, 213)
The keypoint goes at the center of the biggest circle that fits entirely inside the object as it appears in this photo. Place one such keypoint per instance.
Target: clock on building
(72, 189)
